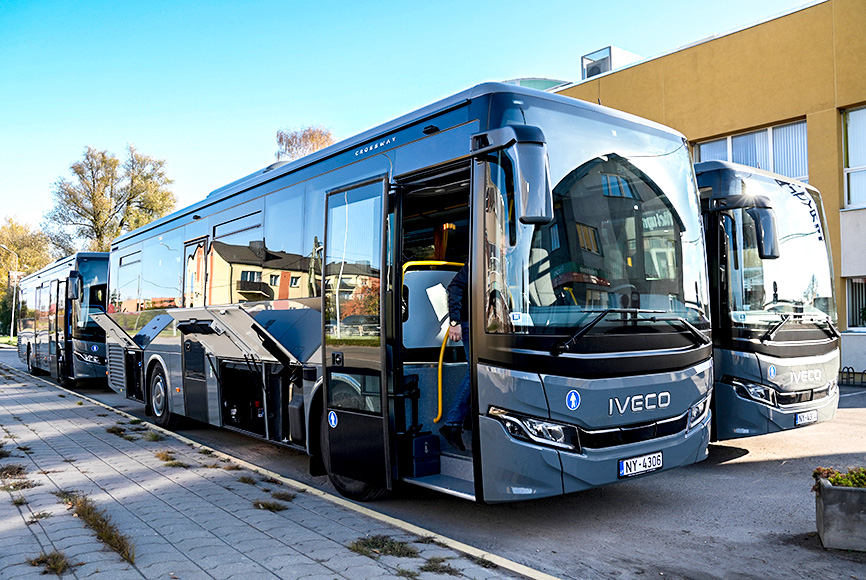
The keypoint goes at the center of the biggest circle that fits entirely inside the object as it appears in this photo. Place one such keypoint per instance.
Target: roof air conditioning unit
(596, 67)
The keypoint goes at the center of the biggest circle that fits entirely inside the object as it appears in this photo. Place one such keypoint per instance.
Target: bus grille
(115, 366)
(603, 438)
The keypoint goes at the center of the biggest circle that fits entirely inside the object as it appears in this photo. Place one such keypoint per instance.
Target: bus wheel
(159, 399)
(30, 368)
(345, 486)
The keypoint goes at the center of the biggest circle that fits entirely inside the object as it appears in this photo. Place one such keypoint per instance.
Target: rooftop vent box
(604, 60)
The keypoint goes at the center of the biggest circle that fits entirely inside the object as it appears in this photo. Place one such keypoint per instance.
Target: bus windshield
(92, 300)
(625, 236)
(800, 280)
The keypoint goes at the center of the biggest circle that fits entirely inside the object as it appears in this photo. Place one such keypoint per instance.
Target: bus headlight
(534, 430)
(754, 391)
(699, 412)
(89, 358)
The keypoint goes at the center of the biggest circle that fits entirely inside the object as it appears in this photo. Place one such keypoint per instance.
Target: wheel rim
(158, 396)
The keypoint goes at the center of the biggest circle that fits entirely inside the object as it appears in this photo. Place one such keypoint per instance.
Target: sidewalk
(196, 520)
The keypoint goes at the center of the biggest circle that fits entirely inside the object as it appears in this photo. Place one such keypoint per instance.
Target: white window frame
(847, 171)
(855, 300)
(730, 147)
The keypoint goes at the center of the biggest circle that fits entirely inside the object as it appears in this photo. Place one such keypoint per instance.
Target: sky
(206, 85)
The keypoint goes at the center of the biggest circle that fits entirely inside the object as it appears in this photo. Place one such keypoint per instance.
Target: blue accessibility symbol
(572, 400)
(94, 347)
(332, 419)
(771, 372)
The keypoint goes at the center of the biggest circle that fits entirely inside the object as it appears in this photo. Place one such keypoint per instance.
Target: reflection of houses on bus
(356, 280)
(251, 273)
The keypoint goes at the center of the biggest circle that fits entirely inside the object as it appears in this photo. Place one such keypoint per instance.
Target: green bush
(856, 477)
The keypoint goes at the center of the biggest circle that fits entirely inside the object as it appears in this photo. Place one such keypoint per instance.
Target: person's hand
(455, 333)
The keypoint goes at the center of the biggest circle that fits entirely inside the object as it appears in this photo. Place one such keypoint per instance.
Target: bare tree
(294, 144)
(106, 199)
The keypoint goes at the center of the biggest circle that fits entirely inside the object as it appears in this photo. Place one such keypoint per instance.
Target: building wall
(809, 64)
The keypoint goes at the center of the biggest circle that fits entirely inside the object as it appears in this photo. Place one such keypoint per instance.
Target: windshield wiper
(565, 346)
(771, 332)
(693, 330)
(831, 329)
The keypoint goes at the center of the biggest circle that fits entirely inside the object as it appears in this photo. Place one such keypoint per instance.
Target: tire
(30, 367)
(159, 397)
(345, 486)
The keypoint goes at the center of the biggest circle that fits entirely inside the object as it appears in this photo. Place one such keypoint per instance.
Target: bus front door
(355, 427)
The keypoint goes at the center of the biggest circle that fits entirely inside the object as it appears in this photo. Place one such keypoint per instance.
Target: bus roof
(63, 262)
(282, 168)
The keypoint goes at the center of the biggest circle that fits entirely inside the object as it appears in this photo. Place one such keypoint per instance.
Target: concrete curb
(500, 561)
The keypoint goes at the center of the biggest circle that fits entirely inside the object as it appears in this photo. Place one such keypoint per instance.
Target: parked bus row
(307, 303)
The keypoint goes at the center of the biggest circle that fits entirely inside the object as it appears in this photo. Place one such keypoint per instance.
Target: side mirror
(73, 285)
(765, 232)
(528, 147)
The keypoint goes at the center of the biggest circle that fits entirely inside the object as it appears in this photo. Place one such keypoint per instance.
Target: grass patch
(19, 501)
(247, 480)
(382, 545)
(130, 438)
(79, 403)
(13, 470)
(438, 565)
(271, 506)
(18, 485)
(102, 414)
(4, 453)
(62, 396)
(483, 562)
(283, 495)
(212, 466)
(430, 540)
(98, 521)
(25, 448)
(232, 467)
(205, 451)
(177, 464)
(153, 436)
(115, 430)
(38, 516)
(135, 421)
(164, 455)
(403, 573)
(54, 563)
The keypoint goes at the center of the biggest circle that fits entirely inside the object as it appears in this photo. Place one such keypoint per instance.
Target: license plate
(638, 465)
(806, 417)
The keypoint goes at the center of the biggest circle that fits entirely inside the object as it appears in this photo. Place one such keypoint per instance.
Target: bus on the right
(776, 345)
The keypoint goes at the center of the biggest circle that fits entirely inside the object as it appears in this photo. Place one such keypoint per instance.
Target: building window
(295, 281)
(781, 149)
(588, 239)
(251, 276)
(616, 186)
(275, 279)
(856, 302)
(855, 158)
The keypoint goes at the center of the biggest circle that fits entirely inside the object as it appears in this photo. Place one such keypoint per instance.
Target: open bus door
(355, 429)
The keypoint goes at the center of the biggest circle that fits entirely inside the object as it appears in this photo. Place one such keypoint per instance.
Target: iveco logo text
(375, 146)
(810, 375)
(638, 403)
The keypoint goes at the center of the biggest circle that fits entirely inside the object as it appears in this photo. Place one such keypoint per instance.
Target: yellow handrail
(408, 265)
(441, 357)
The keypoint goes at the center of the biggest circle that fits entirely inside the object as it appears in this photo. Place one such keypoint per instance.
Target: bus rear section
(776, 342)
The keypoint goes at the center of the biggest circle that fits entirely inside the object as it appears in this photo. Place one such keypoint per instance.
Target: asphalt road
(746, 512)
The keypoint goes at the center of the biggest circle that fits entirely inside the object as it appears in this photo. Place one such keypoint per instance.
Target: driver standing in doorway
(458, 312)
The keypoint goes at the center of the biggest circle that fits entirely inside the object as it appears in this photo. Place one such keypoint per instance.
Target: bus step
(456, 464)
(446, 484)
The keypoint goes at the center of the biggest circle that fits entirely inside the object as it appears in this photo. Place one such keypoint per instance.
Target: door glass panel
(194, 275)
(352, 299)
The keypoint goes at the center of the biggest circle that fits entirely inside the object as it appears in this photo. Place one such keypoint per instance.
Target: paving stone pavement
(186, 523)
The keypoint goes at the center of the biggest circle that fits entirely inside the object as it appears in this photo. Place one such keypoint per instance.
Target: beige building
(787, 95)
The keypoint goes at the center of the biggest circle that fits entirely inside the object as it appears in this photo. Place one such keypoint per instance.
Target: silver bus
(774, 307)
(306, 303)
(56, 334)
